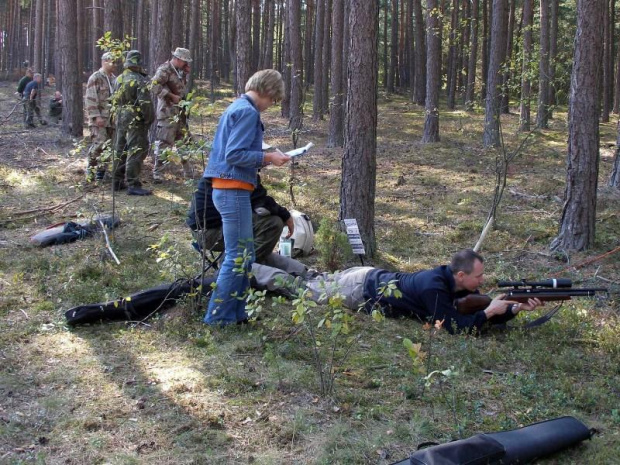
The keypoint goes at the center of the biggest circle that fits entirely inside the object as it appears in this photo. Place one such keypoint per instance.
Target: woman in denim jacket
(235, 159)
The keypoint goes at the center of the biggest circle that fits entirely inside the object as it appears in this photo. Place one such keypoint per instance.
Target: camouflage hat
(133, 58)
(182, 54)
(107, 56)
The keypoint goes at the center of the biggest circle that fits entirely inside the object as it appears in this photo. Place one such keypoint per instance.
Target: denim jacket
(237, 147)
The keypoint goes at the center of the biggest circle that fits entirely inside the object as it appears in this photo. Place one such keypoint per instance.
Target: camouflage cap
(107, 56)
(133, 58)
(182, 54)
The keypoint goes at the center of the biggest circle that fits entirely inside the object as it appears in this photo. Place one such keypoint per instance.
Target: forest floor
(174, 391)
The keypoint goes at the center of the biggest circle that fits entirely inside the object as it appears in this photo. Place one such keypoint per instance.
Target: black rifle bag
(139, 305)
(519, 446)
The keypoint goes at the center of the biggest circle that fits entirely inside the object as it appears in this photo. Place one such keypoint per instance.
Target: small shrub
(332, 245)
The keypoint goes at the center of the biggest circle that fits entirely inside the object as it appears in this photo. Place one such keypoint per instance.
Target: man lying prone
(429, 295)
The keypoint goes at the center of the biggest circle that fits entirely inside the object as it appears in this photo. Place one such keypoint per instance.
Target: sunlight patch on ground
(170, 197)
(19, 179)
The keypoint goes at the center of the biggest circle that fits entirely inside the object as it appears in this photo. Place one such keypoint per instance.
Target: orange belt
(219, 183)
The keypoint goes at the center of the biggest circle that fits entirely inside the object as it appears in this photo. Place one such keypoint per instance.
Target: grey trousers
(349, 283)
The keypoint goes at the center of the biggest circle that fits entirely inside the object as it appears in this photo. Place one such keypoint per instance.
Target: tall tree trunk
(542, 117)
(505, 105)
(81, 36)
(577, 226)
(607, 62)
(410, 47)
(473, 59)
(255, 35)
(243, 43)
(553, 52)
(317, 107)
(194, 38)
(359, 164)
(526, 84)
(327, 52)
(498, 49)
(163, 37)
(419, 95)
(113, 18)
(154, 63)
(177, 38)
(308, 52)
(433, 72)
(67, 50)
(386, 16)
(393, 63)
(614, 179)
(335, 137)
(296, 82)
(38, 36)
(286, 68)
(452, 55)
(486, 37)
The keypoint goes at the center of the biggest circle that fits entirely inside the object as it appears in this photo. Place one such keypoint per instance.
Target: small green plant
(332, 245)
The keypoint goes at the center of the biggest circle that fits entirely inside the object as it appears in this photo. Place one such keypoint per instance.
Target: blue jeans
(227, 304)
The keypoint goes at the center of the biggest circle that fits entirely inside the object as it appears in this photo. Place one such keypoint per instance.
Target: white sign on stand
(355, 239)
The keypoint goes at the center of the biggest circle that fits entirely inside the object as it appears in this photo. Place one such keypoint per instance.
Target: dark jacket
(428, 295)
(21, 85)
(133, 99)
(202, 207)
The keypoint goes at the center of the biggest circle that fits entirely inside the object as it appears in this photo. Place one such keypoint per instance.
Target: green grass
(176, 391)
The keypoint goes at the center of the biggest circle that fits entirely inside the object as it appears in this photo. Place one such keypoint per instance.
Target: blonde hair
(267, 83)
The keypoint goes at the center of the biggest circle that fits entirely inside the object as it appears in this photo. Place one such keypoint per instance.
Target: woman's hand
(276, 158)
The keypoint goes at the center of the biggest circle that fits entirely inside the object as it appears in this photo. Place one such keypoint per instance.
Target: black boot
(119, 185)
(138, 191)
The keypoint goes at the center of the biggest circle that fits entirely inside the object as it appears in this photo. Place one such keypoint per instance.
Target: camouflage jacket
(168, 80)
(132, 99)
(97, 99)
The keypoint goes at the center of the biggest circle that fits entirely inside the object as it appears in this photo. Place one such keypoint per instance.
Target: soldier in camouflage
(134, 115)
(169, 86)
(97, 106)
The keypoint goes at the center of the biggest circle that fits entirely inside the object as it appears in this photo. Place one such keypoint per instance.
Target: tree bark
(255, 35)
(505, 105)
(473, 58)
(38, 36)
(393, 63)
(526, 84)
(335, 137)
(317, 107)
(113, 18)
(433, 72)
(542, 116)
(419, 95)
(577, 226)
(614, 179)
(608, 47)
(357, 187)
(452, 56)
(243, 43)
(296, 82)
(493, 100)
(71, 82)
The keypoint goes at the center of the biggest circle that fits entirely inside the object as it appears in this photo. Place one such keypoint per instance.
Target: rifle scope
(552, 283)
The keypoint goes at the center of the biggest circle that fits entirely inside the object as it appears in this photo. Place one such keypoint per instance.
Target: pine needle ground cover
(173, 391)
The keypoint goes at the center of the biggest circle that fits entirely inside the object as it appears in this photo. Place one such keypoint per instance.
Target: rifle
(550, 290)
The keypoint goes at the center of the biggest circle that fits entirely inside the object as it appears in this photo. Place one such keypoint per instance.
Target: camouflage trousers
(31, 107)
(98, 138)
(166, 134)
(267, 230)
(131, 147)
